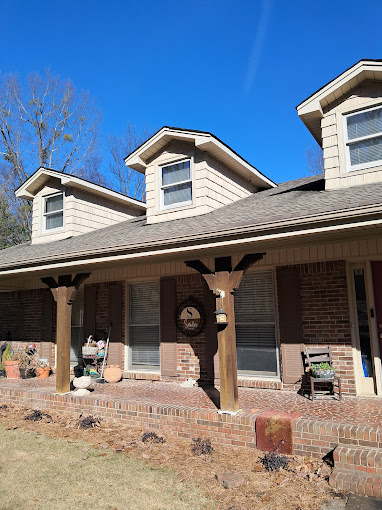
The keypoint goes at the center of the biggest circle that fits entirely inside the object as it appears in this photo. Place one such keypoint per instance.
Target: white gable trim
(138, 159)
(36, 181)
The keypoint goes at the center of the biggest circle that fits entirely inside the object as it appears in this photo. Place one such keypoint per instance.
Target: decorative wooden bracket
(64, 292)
(225, 281)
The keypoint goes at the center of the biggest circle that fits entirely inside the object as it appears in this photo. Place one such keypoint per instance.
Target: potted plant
(322, 371)
(26, 364)
(11, 363)
(42, 369)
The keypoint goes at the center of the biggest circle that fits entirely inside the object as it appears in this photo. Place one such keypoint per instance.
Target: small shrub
(152, 437)
(37, 415)
(88, 423)
(201, 447)
(273, 461)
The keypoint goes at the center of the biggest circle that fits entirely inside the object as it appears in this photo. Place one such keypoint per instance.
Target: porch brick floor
(349, 411)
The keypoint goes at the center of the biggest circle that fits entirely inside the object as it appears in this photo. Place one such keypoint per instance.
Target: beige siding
(214, 185)
(83, 212)
(368, 94)
(362, 249)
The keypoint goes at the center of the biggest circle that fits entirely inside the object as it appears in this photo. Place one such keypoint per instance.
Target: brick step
(359, 458)
(357, 482)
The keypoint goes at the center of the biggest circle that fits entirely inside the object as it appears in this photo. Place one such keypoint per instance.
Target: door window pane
(363, 322)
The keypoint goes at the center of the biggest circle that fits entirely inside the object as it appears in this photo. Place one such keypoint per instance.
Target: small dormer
(345, 118)
(65, 205)
(189, 173)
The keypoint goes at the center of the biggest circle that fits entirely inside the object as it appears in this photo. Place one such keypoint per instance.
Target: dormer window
(363, 135)
(176, 185)
(53, 215)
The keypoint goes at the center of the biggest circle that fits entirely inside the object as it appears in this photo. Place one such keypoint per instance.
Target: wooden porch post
(64, 293)
(226, 281)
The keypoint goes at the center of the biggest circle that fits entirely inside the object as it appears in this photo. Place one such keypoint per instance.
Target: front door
(366, 294)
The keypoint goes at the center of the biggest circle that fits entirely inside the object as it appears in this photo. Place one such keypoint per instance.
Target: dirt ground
(301, 486)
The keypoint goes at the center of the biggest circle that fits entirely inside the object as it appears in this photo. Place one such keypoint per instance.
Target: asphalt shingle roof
(302, 198)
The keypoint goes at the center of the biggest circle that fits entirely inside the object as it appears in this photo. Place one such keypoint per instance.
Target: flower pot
(43, 372)
(324, 374)
(112, 374)
(27, 373)
(12, 369)
(82, 382)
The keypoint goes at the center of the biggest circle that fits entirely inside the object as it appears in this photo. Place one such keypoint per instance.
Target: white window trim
(362, 166)
(44, 230)
(163, 187)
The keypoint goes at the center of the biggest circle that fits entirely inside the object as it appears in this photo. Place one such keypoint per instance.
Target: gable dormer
(189, 173)
(345, 118)
(65, 205)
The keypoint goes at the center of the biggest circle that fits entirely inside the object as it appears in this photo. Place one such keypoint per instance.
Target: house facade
(313, 247)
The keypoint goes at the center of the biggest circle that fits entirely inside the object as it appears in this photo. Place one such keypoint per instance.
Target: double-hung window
(53, 213)
(363, 138)
(176, 185)
(144, 325)
(255, 317)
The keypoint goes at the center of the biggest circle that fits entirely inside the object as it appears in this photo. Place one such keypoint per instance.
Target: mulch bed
(302, 485)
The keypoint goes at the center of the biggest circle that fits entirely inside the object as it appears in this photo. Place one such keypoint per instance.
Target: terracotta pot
(42, 372)
(12, 369)
(112, 374)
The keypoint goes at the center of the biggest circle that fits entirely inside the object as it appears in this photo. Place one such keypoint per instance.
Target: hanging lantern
(221, 316)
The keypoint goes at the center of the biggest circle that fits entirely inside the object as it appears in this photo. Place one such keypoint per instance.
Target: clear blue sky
(235, 68)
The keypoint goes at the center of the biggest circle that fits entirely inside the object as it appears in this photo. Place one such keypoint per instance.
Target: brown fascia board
(287, 226)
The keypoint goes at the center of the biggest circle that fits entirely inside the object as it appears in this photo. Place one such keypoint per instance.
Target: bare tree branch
(315, 160)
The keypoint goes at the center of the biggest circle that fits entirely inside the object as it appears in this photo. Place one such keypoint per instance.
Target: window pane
(255, 348)
(364, 124)
(177, 194)
(53, 204)
(54, 221)
(254, 299)
(144, 323)
(176, 173)
(256, 345)
(366, 151)
(144, 343)
(144, 303)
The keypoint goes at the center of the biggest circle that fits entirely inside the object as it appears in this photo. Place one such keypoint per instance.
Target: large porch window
(255, 318)
(144, 325)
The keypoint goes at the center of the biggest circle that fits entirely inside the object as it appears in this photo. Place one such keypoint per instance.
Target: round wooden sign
(190, 317)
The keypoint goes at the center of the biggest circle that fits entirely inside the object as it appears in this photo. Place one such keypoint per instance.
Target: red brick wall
(21, 313)
(192, 352)
(325, 311)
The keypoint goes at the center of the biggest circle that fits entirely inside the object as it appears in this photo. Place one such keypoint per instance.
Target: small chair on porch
(315, 355)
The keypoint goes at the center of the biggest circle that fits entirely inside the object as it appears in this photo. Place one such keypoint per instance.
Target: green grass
(41, 472)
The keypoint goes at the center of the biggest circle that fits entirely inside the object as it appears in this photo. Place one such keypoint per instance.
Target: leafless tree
(45, 122)
(124, 179)
(315, 160)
